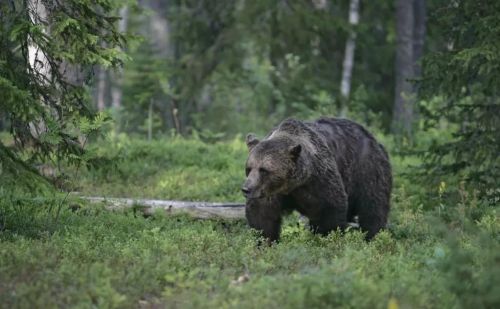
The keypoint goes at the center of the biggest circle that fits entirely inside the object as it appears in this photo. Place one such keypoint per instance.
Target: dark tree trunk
(101, 89)
(418, 34)
(161, 29)
(404, 70)
(420, 13)
(117, 76)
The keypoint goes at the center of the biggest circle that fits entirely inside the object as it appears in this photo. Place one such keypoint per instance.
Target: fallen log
(203, 210)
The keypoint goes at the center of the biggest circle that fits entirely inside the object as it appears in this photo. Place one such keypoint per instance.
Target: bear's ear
(251, 141)
(295, 151)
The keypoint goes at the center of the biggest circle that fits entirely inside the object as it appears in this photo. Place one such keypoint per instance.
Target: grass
(176, 168)
(94, 258)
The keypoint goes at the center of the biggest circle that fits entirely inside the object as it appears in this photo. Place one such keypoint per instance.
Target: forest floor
(57, 252)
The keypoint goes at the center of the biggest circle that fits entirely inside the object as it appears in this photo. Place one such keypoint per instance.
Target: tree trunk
(36, 57)
(175, 117)
(116, 89)
(101, 89)
(345, 84)
(150, 120)
(159, 29)
(418, 34)
(38, 62)
(404, 70)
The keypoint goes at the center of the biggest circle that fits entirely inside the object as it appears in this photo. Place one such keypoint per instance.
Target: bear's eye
(247, 171)
(263, 171)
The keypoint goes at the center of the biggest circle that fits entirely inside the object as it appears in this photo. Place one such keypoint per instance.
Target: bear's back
(351, 145)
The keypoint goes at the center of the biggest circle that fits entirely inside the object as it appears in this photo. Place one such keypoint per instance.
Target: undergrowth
(432, 255)
(173, 168)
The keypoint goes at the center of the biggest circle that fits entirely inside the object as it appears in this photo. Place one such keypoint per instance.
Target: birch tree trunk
(404, 70)
(36, 57)
(38, 62)
(345, 84)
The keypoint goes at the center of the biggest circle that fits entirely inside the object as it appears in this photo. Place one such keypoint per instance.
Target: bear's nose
(245, 191)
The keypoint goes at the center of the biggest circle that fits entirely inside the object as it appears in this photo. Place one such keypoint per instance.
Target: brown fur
(330, 170)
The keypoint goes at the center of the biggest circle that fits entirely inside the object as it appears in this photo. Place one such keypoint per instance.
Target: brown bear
(329, 170)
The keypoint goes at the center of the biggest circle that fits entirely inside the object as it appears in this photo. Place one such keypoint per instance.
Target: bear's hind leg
(373, 185)
(372, 212)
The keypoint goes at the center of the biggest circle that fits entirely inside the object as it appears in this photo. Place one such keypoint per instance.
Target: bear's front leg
(330, 219)
(325, 207)
(264, 214)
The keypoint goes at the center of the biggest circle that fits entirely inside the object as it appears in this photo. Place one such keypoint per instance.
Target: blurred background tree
(237, 66)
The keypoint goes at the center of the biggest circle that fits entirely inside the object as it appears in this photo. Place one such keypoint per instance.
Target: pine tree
(47, 53)
(466, 75)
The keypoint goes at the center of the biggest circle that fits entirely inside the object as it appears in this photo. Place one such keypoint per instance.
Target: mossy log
(203, 210)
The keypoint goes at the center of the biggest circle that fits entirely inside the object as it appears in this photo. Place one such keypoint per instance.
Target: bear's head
(272, 166)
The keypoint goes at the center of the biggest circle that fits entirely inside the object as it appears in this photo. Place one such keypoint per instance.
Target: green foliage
(239, 66)
(429, 257)
(99, 258)
(465, 76)
(18, 178)
(466, 275)
(233, 67)
(145, 82)
(47, 48)
(168, 168)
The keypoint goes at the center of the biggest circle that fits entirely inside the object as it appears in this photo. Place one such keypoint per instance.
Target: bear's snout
(249, 187)
(246, 191)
